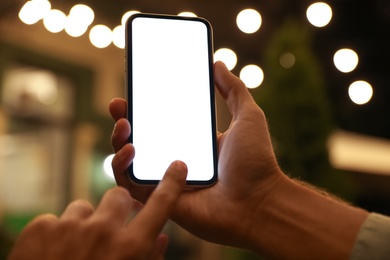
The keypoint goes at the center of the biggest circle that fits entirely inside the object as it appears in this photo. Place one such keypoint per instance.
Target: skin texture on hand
(253, 205)
(247, 168)
(82, 233)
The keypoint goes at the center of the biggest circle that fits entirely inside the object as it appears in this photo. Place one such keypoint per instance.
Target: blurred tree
(295, 101)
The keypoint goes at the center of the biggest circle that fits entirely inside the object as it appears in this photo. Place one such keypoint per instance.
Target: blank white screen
(171, 98)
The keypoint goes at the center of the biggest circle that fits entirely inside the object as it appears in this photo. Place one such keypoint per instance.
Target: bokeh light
(127, 15)
(345, 60)
(319, 14)
(287, 60)
(227, 56)
(33, 11)
(187, 14)
(252, 75)
(55, 21)
(360, 92)
(108, 168)
(43, 86)
(118, 36)
(74, 28)
(83, 14)
(100, 36)
(249, 21)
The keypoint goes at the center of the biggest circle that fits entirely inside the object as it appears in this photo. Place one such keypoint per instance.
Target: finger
(151, 219)
(160, 247)
(34, 236)
(114, 208)
(78, 209)
(117, 108)
(120, 164)
(231, 88)
(41, 222)
(120, 134)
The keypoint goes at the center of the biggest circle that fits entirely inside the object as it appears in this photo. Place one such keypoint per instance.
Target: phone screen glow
(171, 96)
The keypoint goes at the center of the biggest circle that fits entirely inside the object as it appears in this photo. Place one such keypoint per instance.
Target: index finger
(151, 219)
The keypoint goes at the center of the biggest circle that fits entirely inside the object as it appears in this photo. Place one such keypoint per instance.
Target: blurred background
(319, 70)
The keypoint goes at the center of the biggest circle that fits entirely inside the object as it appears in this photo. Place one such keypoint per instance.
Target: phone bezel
(128, 88)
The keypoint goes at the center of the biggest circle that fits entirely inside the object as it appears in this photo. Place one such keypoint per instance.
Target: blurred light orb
(33, 11)
(118, 35)
(345, 60)
(74, 28)
(227, 56)
(100, 36)
(26, 14)
(287, 60)
(43, 86)
(319, 14)
(127, 15)
(249, 21)
(252, 75)
(54, 21)
(187, 14)
(360, 92)
(82, 14)
(108, 168)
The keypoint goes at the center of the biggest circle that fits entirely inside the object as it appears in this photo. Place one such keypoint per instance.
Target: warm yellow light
(319, 14)
(359, 153)
(83, 14)
(360, 92)
(118, 35)
(287, 60)
(43, 85)
(74, 28)
(187, 14)
(249, 21)
(252, 76)
(126, 16)
(227, 56)
(54, 21)
(33, 11)
(100, 36)
(345, 60)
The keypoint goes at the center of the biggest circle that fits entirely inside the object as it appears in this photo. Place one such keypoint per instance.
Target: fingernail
(181, 166)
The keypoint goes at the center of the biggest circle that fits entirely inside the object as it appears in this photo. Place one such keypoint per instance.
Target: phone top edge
(167, 16)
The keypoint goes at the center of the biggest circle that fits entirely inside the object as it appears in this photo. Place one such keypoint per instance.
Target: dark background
(360, 25)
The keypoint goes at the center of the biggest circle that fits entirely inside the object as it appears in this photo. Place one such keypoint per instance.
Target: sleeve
(373, 240)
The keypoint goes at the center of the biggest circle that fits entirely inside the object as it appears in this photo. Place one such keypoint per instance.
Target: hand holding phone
(170, 94)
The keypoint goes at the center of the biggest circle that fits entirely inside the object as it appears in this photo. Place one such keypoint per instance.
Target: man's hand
(247, 168)
(82, 233)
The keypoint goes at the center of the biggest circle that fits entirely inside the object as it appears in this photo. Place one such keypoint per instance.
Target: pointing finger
(151, 219)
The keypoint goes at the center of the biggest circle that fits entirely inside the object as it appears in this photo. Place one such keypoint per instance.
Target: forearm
(300, 223)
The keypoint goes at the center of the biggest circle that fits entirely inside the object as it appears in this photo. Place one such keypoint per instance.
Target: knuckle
(41, 223)
(83, 205)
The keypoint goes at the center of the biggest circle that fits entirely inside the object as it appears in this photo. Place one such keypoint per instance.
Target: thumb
(232, 89)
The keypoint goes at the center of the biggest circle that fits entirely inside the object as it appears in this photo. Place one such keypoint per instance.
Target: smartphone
(170, 94)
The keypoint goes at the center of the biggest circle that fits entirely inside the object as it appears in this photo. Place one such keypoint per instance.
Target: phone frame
(129, 96)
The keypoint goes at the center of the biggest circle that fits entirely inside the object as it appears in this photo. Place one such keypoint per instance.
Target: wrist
(252, 210)
(298, 222)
